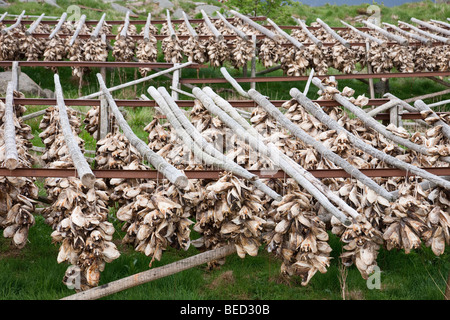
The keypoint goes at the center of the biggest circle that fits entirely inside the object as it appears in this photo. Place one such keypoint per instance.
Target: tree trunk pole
(11, 155)
(153, 274)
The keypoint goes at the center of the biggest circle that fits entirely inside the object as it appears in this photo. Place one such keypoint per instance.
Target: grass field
(33, 273)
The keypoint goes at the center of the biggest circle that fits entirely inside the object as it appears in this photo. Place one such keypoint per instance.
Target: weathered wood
(129, 84)
(58, 26)
(318, 146)
(97, 29)
(253, 62)
(369, 71)
(400, 40)
(239, 33)
(440, 103)
(445, 24)
(77, 30)
(415, 36)
(383, 107)
(153, 274)
(424, 33)
(216, 33)
(320, 115)
(159, 163)
(80, 163)
(431, 27)
(233, 82)
(191, 30)
(126, 24)
(292, 40)
(3, 16)
(308, 83)
(184, 128)
(256, 26)
(269, 70)
(34, 25)
(170, 26)
(11, 155)
(365, 35)
(305, 29)
(147, 27)
(372, 123)
(14, 25)
(334, 34)
(292, 169)
(421, 106)
(175, 81)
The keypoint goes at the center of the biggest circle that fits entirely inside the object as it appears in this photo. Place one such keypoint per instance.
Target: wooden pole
(6, 30)
(365, 35)
(80, 163)
(97, 29)
(445, 24)
(159, 163)
(431, 27)
(175, 81)
(128, 84)
(308, 83)
(333, 33)
(233, 82)
(426, 34)
(123, 32)
(77, 30)
(256, 26)
(11, 155)
(400, 40)
(189, 27)
(425, 41)
(58, 26)
(421, 106)
(292, 40)
(216, 33)
(153, 274)
(3, 16)
(34, 25)
(170, 26)
(319, 114)
(240, 34)
(253, 68)
(305, 29)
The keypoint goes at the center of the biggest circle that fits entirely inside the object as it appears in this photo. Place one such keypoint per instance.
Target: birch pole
(147, 27)
(191, 30)
(233, 82)
(159, 163)
(11, 155)
(312, 37)
(128, 84)
(34, 25)
(400, 40)
(153, 274)
(14, 25)
(79, 161)
(424, 33)
(371, 122)
(256, 26)
(58, 26)
(310, 141)
(124, 31)
(431, 27)
(423, 108)
(97, 29)
(445, 24)
(365, 35)
(319, 114)
(334, 34)
(409, 34)
(170, 26)
(3, 16)
(216, 33)
(240, 34)
(292, 40)
(273, 155)
(383, 107)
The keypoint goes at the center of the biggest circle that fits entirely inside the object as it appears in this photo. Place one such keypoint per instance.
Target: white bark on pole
(253, 62)
(365, 35)
(240, 121)
(77, 30)
(440, 103)
(211, 27)
(97, 29)
(34, 25)
(268, 70)
(104, 118)
(383, 107)
(15, 73)
(79, 161)
(153, 274)
(256, 26)
(58, 26)
(274, 155)
(334, 34)
(312, 37)
(11, 155)
(371, 122)
(189, 26)
(240, 34)
(400, 40)
(147, 27)
(425, 96)
(292, 40)
(3, 16)
(320, 115)
(308, 83)
(415, 36)
(124, 31)
(445, 24)
(426, 34)
(209, 149)
(170, 26)
(129, 84)
(170, 172)
(431, 27)
(175, 81)
(14, 25)
(369, 70)
(421, 106)
(310, 141)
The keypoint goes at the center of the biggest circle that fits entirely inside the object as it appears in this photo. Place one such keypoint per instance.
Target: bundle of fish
(270, 52)
(230, 213)
(172, 49)
(157, 217)
(193, 49)
(30, 47)
(17, 194)
(75, 52)
(297, 236)
(124, 47)
(77, 215)
(9, 45)
(95, 50)
(55, 51)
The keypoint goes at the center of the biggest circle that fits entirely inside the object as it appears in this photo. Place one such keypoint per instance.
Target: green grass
(33, 272)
